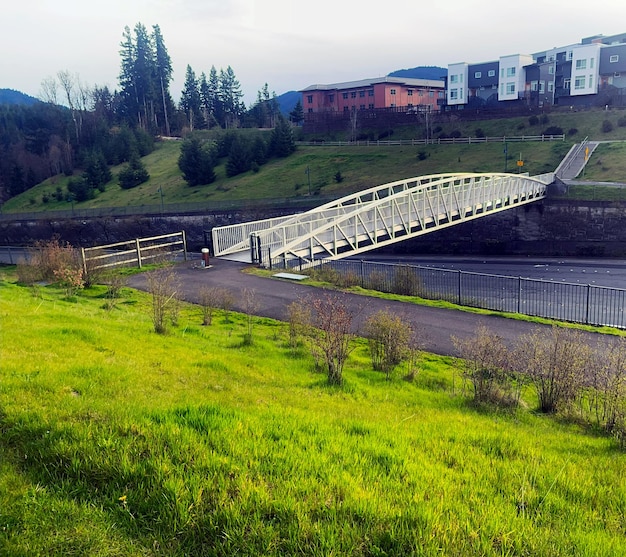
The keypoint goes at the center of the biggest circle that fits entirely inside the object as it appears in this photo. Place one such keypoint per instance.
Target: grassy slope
(115, 441)
(361, 167)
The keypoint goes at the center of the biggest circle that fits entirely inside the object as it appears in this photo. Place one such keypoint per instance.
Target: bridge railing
(577, 303)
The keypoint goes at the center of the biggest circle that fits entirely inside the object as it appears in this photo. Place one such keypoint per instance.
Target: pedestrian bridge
(376, 217)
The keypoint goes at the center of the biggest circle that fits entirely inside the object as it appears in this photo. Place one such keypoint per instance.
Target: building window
(361, 107)
(410, 92)
(346, 109)
(344, 95)
(542, 87)
(331, 98)
(431, 93)
(361, 94)
(614, 58)
(309, 99)
(454, 78)
(478, 75)
(491, 73)
(581, 64)
(534, 85)
(370, 93)
(616, 74)
(310, 110)
(353, 94)
(551, 70)
(370, 106)
(392, 91)
(440, 94)
(567, 83)
(590, 81)
(510, 72)
(579, 83)
(570, 54)
(510, 88)
(550, 86)
(454, 94)
(420, 93)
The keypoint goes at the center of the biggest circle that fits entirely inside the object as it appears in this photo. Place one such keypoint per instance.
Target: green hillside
(359, 167)
(197, 443)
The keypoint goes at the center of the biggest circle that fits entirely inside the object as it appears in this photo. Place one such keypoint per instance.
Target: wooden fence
(134, 252)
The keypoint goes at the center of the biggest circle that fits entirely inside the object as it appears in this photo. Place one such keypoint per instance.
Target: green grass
(117, 441)
(361, 167)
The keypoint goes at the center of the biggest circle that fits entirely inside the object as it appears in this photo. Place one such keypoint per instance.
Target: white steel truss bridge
(376, 217)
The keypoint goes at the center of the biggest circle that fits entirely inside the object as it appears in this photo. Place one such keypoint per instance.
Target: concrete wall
(551, 227)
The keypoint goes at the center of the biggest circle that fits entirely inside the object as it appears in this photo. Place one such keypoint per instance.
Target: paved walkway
(436, 325)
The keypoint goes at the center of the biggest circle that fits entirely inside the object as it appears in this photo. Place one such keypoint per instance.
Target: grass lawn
(118, 441)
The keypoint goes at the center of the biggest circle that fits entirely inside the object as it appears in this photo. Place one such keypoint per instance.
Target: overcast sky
(290, 44)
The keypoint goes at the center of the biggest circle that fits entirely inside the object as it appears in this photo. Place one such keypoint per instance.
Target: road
(436, 326)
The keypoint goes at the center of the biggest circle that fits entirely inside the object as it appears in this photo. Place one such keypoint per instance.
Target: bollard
(205, 257)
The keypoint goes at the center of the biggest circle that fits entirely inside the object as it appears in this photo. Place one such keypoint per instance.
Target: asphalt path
(436, 326)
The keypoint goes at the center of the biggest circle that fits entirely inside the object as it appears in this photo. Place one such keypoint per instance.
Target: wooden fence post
(138, 247)
(184, 244)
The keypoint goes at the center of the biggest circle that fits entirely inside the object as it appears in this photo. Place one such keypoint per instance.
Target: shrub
(388, 339)
(555, 363)
(486, 367)
(209, 301)
(533, 120)
(422, 155)
(552, 130)
(622, 122)
(479, 132)
(133, 174)
(572, 131)
(455, 134)
(338, 177)
(164, 287)
(607, 126)
(406, 282)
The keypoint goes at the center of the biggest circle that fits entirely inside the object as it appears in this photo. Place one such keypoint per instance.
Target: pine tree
(196, 162)
(190, 101)
(163, 76)
(230, 95)
(282, 143)
(297, 114)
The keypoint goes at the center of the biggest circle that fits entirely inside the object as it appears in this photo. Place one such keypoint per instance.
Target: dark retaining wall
(550, 227)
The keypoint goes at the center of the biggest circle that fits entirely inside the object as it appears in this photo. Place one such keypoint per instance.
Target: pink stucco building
(369, 94)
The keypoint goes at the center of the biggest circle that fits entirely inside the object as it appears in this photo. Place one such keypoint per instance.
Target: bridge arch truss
(378, 216)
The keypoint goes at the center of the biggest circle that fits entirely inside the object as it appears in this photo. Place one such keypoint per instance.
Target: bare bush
(164, 287)
(388, 337)
(226, 302)
(555, 362)
(251, 306)
(486, 367)
(376, 280)
(53, 261)
(114, 282)
(210, 300)
(331, 334)
(299, 318)
(607, 393)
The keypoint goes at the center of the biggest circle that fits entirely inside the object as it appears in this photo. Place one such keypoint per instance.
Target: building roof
(369, 82)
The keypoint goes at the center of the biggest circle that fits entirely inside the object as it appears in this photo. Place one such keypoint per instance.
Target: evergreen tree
(134, 174)
(240, 157)
(230, 95)
(190, 102)
(297, 114)
(282, 143)
(97, 172)
(163, 76)
(214, 99)
(196, 162)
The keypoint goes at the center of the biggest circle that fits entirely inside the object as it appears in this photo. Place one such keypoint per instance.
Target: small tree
(298, 317)
(164, 287)
(555, 363)
(331, 334)
(197, 162)
(388, 337)
(486, 366)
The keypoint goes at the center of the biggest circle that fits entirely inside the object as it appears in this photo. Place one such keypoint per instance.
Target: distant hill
(421, 72)
(10, 96)
(288, 100)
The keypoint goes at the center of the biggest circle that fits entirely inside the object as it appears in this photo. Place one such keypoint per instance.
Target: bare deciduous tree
(331, 333)
(209, 302)
(250, 307)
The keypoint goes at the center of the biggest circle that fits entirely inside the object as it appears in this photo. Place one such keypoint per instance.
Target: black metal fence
(577, 303)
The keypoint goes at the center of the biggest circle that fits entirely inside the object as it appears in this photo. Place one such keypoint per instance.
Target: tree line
(77, 126)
